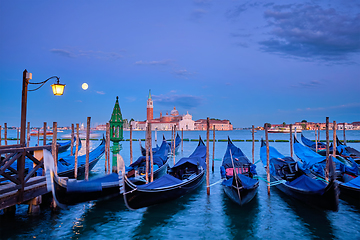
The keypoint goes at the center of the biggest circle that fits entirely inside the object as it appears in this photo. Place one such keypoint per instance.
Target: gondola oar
(235, 175)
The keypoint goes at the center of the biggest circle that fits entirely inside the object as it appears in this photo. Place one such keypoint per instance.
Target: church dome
(174, 112)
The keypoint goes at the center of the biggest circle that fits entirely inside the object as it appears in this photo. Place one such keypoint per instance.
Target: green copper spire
(149, 94)
(116, 123)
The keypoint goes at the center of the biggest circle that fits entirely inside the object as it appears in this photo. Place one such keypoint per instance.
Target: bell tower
(149, 108)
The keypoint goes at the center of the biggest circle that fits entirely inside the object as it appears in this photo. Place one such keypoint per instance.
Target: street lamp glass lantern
(58, 89)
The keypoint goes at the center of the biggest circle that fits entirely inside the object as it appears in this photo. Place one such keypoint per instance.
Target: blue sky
(247, 61)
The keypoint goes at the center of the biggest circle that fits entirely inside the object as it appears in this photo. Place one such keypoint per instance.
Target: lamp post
(58, 89)
(116, 132)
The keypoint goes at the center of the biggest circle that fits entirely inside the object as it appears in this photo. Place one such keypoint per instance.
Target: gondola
(66, 165)
(68, 152)
(70, 191)
(186, 175)
(293, 181)
(347, 171)
(347, 152)
(154, 149)
(137, 170)
(242, 187)
(312, 145)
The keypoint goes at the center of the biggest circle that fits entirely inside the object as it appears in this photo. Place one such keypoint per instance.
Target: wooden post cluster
(207, 157)
(87, 148)
(267, 158)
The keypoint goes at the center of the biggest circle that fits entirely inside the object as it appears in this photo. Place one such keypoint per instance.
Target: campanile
(149, 108)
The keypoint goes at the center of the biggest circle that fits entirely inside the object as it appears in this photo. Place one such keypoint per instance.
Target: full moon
(84, 86)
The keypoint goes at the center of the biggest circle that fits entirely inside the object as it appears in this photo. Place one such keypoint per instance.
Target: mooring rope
(216, 182)
(271, 183)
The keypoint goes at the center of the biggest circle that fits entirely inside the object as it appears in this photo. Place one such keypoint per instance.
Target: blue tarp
(92, 184)
(164, 181)
(315, 161)
(311, 144)
(159, 158)
(68, 163)
(238, 157)
(354, 183)
(198, 156)
(246, 182)
(309, 184)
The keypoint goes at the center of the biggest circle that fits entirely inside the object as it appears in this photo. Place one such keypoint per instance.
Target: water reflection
(240, 220)
(159, 216)
(314, 219)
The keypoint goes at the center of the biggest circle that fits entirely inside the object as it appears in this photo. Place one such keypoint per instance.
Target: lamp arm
(43, 82)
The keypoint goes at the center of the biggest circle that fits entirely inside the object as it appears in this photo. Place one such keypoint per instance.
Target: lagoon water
(196, 215)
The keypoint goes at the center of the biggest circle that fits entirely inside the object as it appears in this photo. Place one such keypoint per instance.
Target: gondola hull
(63, 196)
(246, 195)
(349, 191)
(329, 200)
(139, 198)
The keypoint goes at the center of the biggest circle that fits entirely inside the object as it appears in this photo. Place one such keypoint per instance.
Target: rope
(271, 183)
(216, 182)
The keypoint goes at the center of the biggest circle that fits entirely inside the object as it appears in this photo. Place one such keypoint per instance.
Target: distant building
(220, 125)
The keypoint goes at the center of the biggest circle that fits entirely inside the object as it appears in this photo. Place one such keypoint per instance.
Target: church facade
(181, 122)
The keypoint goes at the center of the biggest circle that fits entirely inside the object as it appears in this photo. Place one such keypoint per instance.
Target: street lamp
(58, 90)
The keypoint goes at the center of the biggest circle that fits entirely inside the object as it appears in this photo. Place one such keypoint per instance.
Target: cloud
(183, 73)
(62, 52)
(184, 101)
(312, 32)
(197, 14)
(88, 53)
(310, 84)
(161, 62)
(100, 92)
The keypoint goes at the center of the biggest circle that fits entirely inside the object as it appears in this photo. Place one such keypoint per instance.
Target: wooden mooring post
(182, 139)
(151, 155)
(18, 135)
(87, 148)
(174, 136)
(316, 141)
(213, 158)
(76, 150)
(131, 152)
(28, 135)
(334, 139)
(38, 137)
(72, 140)
(344, 133)
(291, 141)
(207, 157)
(253, 144)
(44, 134)
(108, 146)
(327, 149)
(5, 134)
(54, 145)
(147, 152)
(267, 158)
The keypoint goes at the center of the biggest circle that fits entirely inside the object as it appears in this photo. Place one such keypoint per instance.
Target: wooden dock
(17, 184)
